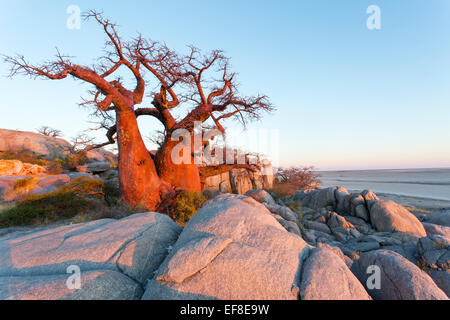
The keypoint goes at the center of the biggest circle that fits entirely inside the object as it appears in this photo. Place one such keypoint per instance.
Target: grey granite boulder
(326, 277)
(370, 197)
(442, 218)
(434, 251)
(361, 212)
(359, 246)
(95, 285)
(316, 199)
(19, 141)
(319, 226)
(134, 246)
(245, 254)
(284, 212)
(442, 279)
(436, 230)
(337, 251)
(261, 196)
(341, 195)
(360, 224)
(390, 216)
(399, 278)
(94, 167)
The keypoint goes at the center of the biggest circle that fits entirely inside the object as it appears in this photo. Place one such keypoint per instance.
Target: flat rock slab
(251, 256)
(327, 277)
(19, 141)
(399, 278)
(95, 285)
(134, 246)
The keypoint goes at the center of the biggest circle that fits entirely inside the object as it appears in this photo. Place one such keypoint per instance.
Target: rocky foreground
(239, 247)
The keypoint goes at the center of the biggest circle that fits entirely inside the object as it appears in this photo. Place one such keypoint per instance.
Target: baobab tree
(49, 132)
(201, 82)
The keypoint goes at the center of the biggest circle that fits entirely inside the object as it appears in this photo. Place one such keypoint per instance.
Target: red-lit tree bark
(183, 81)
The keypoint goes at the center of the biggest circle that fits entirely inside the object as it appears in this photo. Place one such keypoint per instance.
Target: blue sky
(347, 97)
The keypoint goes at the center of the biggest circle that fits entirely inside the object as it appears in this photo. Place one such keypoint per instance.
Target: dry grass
(84, 199)
(418, 210)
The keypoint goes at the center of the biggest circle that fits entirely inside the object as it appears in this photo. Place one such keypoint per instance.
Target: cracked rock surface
(252, 255)
(115, 258)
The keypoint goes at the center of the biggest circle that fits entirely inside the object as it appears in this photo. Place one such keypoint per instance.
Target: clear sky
(347, 97)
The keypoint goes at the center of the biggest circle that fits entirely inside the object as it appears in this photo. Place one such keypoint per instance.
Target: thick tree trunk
(179, 176)
(139, 181)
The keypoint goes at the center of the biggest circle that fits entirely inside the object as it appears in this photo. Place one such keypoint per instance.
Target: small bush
(288, 180)
(24, 156)
(111, 194)
(54, 167)
(23, 183)
(184, 205)
(73, 161)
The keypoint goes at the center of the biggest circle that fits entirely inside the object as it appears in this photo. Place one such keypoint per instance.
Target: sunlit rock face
(48, 148)
(400, 279)
(21, 141)
(95, 285)
(327, 277)
(390, 216)
(233, 248)
(18, 168)
(240, 181)
(107, 252)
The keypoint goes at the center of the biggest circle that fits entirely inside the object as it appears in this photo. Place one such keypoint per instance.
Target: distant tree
(49, 132)
(202, 82)
(289, 180)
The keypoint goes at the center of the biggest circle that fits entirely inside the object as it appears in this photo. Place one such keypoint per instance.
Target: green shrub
(45, 209)
(73, 161)
(277, 193)
(83, 199)
(184, 205)
(111, 194)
